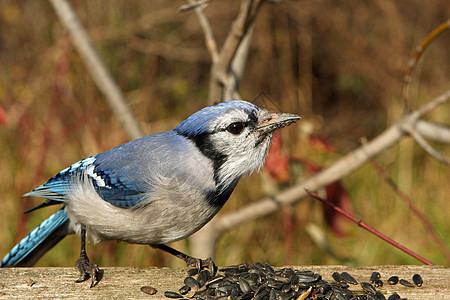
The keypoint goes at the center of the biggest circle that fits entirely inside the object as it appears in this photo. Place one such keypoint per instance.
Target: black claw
(87, 270)
(201, 264)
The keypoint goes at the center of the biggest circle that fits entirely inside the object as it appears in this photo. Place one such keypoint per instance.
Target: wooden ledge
(126, 282)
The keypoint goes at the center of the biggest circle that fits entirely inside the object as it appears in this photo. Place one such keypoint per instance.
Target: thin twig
(438, 133)
(210, 41)
(192, 5)
(370, 229)
(414, 209)
(418, 54)
(97, 68)
(221, 74)
(424, 144)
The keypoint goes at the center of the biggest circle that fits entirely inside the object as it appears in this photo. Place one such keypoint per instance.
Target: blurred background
(339, 64)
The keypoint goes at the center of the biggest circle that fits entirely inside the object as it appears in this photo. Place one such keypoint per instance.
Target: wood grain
(126, 282)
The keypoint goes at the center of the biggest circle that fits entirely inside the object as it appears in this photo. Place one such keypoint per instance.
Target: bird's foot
(87, 270)
(200, 264)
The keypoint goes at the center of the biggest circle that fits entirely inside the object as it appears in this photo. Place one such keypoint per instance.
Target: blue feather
(35, 239)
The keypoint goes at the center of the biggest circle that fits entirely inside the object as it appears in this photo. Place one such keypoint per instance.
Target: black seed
(368, 287)
(323, 288)
(337, 277)
(173, 295)
(191, 282)
(343, 285)
(394, 296)
(338, 296)
(268, 269)
(203, 277)
(149, 290)
(281, 279)
(378, 283)
(417, 279)
(286, 288)
(307, 279)
(262, 294)
(244, 285)
(184, 290)
(406, 283)
(348, 278)
(272, 295)
(393, 280)
(379, 295)
(374, 276)
(192, 272)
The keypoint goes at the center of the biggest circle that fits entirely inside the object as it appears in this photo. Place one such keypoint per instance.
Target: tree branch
(223, 84)
(97, 68)
(435, 132)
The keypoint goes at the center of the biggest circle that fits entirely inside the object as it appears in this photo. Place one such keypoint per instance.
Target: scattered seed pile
(261, 281)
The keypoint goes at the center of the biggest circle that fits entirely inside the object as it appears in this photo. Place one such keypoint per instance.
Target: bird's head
(235, 135)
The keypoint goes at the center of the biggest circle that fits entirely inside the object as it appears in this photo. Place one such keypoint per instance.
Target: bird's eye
(235, 128)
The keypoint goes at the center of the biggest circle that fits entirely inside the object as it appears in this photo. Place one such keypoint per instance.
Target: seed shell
(378, 283)
(191, 282)
(368, 287)
(184, 290)
(172, 295)
(149, 290)
(375, 276)
(348, 278)
(393, 280)
(417, 279)
(337, 277)
(406, 283)
(394, 296)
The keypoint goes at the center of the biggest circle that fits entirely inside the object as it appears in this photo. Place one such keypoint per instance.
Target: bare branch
(222, 85)
(418, 54)
(97, 69)
(210, 41)
(435, 132)
(192, 5)
(424, 144)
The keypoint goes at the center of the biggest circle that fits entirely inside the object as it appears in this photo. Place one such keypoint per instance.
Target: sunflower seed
(406, 283)
(348, 278)
(393, 280)
(374, 276)
(417, 279)
(149, 290)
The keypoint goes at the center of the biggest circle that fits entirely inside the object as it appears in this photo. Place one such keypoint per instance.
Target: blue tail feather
(39, 241)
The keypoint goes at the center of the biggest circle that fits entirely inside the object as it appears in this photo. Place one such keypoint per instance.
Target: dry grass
(339, 65)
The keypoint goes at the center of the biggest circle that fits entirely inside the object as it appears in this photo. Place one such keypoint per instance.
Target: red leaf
(277, 164)
(3, 118)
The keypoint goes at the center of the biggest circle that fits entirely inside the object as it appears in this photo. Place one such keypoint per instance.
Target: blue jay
(154, 190)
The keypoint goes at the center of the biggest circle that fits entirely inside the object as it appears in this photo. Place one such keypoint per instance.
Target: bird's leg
(87, 270)
(190, 261)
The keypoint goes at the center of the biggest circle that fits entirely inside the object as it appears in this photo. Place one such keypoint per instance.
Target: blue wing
(117, 190)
